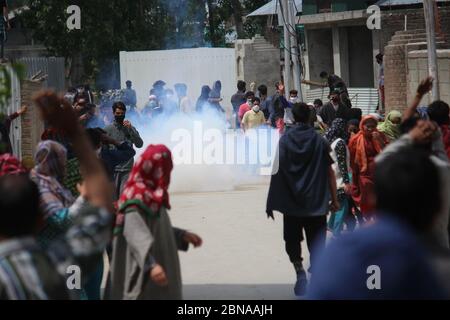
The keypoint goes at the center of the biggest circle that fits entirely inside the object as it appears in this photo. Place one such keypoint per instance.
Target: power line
(286, 24)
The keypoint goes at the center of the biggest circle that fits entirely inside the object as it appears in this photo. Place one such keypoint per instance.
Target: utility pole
(283, 17)
(295, 52)
(428, 7)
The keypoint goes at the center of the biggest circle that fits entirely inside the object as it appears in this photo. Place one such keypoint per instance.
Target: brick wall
(392, 21)
(32, 126)
(395, 77)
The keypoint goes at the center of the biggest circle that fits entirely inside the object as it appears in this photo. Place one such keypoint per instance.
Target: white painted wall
(195, 67)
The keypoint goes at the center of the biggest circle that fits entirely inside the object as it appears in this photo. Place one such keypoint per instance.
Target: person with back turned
(301, 190)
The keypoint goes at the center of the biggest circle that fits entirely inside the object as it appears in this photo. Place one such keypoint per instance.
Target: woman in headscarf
(215, 97)
(203, 99)
(57, 205)
(352, 127)
(49, 174)
(364, 147)
(337, 136)
(145, 262)
(391, 125)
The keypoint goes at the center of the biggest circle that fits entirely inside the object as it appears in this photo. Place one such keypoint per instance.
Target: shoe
(300, 285)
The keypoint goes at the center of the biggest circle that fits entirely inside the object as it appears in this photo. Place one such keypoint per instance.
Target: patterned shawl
(337, 130)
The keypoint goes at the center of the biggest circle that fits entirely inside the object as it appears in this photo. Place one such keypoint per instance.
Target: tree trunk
(237, 16)
(212, 26)
(76, 70)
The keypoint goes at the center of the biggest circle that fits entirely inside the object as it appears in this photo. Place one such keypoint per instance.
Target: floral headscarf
(337, 130)
(147, 186)
(9, 164)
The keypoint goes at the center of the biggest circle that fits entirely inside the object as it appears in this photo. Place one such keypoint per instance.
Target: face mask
(335, 100)
(293, 99)
(250, 103)
(152, 104)
(256, 108)
(119, 119)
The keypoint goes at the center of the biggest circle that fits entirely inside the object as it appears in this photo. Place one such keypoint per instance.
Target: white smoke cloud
(202, 168)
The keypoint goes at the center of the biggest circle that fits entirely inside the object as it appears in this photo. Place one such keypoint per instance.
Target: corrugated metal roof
(388, 3)
(364, 98)
(272, 8)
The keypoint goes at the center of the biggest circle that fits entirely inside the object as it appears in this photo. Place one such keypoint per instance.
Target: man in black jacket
(335, 83)
(334, 109)
(110, 157)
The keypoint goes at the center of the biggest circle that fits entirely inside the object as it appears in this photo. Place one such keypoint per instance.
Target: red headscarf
(9, 164)
(357, 145)
(446, 137)
(148, 183)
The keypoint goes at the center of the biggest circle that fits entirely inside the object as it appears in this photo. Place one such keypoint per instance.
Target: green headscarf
(390, 129)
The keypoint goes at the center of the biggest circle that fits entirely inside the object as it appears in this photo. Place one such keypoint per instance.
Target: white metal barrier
(194, 67)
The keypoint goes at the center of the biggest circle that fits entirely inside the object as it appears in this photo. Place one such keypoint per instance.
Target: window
(323, 6)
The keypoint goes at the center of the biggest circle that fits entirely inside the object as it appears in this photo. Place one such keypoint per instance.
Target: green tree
(188, 22)
(229, 16)
(111, 26)
(107, 27)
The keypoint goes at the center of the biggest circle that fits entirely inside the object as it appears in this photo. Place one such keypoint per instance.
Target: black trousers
(315, 230)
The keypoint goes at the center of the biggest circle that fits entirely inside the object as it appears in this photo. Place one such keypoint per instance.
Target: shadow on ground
(238, 292)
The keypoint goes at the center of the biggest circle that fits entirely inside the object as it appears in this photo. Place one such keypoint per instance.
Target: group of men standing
(276, 110)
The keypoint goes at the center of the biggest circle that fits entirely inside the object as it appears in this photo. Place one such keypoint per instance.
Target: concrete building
(338, 41)
(417, 64)
(335, 38)
(258, 61)
(403, 39)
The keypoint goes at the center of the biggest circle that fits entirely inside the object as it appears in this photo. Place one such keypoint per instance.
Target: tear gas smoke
(207, 155)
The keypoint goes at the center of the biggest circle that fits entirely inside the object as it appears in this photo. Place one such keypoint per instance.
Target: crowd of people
(379, 185)
(161, 101)
(85, 199)
(390, 177)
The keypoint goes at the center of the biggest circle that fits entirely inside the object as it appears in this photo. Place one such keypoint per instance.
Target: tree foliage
(107, 27)
(111, 26)
(230, 18)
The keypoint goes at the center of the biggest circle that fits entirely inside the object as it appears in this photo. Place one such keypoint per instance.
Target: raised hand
(425, 86)
(127, 124)
(23, 110)
(57, 112)
(423, 132)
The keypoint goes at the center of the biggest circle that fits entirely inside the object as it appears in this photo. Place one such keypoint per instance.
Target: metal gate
(364, 98)
(54, 67)
(14, 106)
